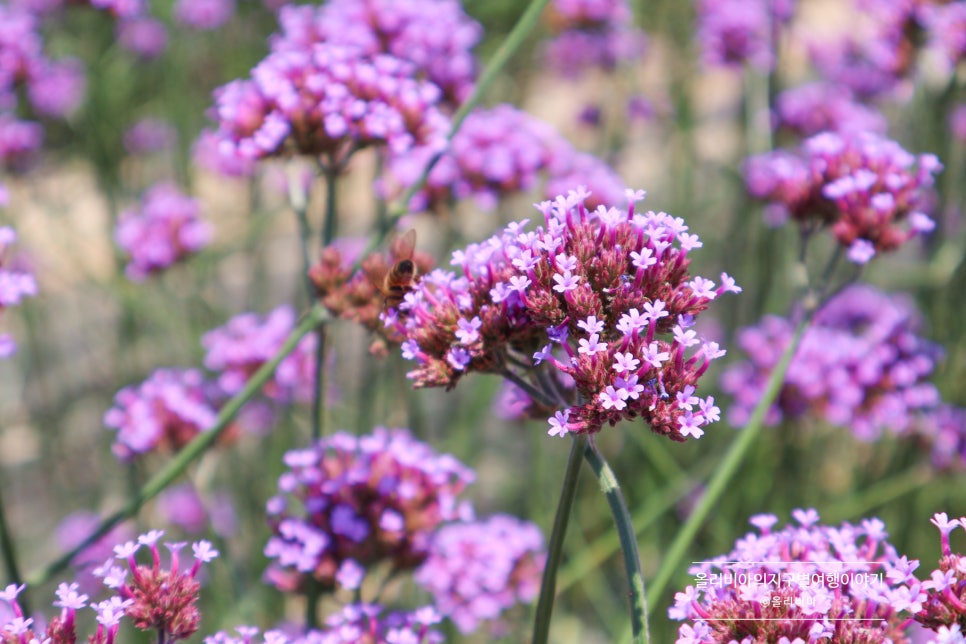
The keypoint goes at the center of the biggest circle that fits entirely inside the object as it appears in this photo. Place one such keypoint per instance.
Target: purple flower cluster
(802, 583)
(476, 570)
(592, 33)
(354, 624)
(348, 502)
(816, 107)
(861, 364)
(434, 35)
(867, 188)
(947, 30)
(608, 288)
(166, 411)
(944, 431)
(946, 602)
(738, 32)
(15, 285)
(166, 229)
(62, 628)
(204, 15)
(325, 99)
(149, 135)
(143, 35)
(239, 348)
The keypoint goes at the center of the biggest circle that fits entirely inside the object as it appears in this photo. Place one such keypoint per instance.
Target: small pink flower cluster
(611, 292)
(348, 502)
(945, 606)
(803, 583)
(166, 229)
(867, 188)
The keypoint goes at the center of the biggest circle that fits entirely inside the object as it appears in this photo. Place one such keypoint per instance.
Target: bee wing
(403, 246)
(376, 268)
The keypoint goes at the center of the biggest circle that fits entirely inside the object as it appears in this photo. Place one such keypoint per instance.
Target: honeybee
(399, 278)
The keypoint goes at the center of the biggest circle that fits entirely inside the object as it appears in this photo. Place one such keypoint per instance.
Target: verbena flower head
(861, 364)
(603, 297)
(165, 412)
(61, 628)
(328, 100)
(869, 190)
(476, 570)
(163, 600)
(15, 285)
(944, 431)
(356, 501)
(436, 36)
(592, 33)
(739, 32)
(204, 14)
(816, 107)
(247, 341)
(801, 583)
(166, 229)
(945, 605)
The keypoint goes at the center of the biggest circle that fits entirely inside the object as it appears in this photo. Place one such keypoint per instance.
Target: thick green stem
(625, 530)
(177, 465)
(548, 586)
(729, 465)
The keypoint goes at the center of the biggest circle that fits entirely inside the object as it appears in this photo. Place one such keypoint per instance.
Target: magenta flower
(436, 36)
(592, 33)
(816, 107)
(204, 15)
(738, 32)
(165, 412)
(365, 499)
(239, 348)
(945, 605)
(143, 35)
(477, 570)
(861, 365)
(580, 289)
(166, 229)
(14, 286)
(865, 187)
(801, 583)
(209, 154)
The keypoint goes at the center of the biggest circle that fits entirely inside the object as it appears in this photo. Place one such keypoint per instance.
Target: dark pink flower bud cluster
(159, 599)
(592, 33)
(437, 36)
(496, 153)
(802, 583)
(328, 100)
(861, 364)
(945, 605)
(867, 188)
(15, 284)
(817, 107)
(476, 570)
(165, 229)
(738, 32)
(165, 412)
(609, 289)
(351, 501)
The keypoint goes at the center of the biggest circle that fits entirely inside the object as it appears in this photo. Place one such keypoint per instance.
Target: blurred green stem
(10, 555)
(625, 530)
(718, 484)
(299, 201)
(177, 465)
(548, 586)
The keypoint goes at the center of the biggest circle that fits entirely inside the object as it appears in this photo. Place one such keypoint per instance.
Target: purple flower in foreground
(166, 229)
(573, 293)
(861, 364)
(801, 583)
(946, 602)
(165, 412)
(366, 499)
(477, 570)
(14, 286)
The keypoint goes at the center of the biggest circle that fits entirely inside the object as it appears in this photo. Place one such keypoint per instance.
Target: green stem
(179, 463)
(10, 555)
(541, 624)
(628, 538)
(328, 234)
(299, 202)
(729, 465)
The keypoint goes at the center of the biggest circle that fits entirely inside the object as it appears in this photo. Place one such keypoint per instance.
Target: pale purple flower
(204, 15)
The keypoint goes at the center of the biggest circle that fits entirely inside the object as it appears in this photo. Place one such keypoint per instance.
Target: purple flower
(166, 229)
(861, 365)
(209, 154)
(738, 32)
(239, 348)
(947, 30)
(794, 583)
(166, 411)
(57, 88)
(957, 123)
(149, 135)
(76, 527)
(945, 604)
(14, 286)
(592, 33)
(18, 140)
(477, 570)
(816, 107)
(583, 277)
(944, 429)
(143, 35)
(204, 14)
(367, 498)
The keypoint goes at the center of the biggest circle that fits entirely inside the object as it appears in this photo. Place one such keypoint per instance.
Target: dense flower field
(304, 306)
